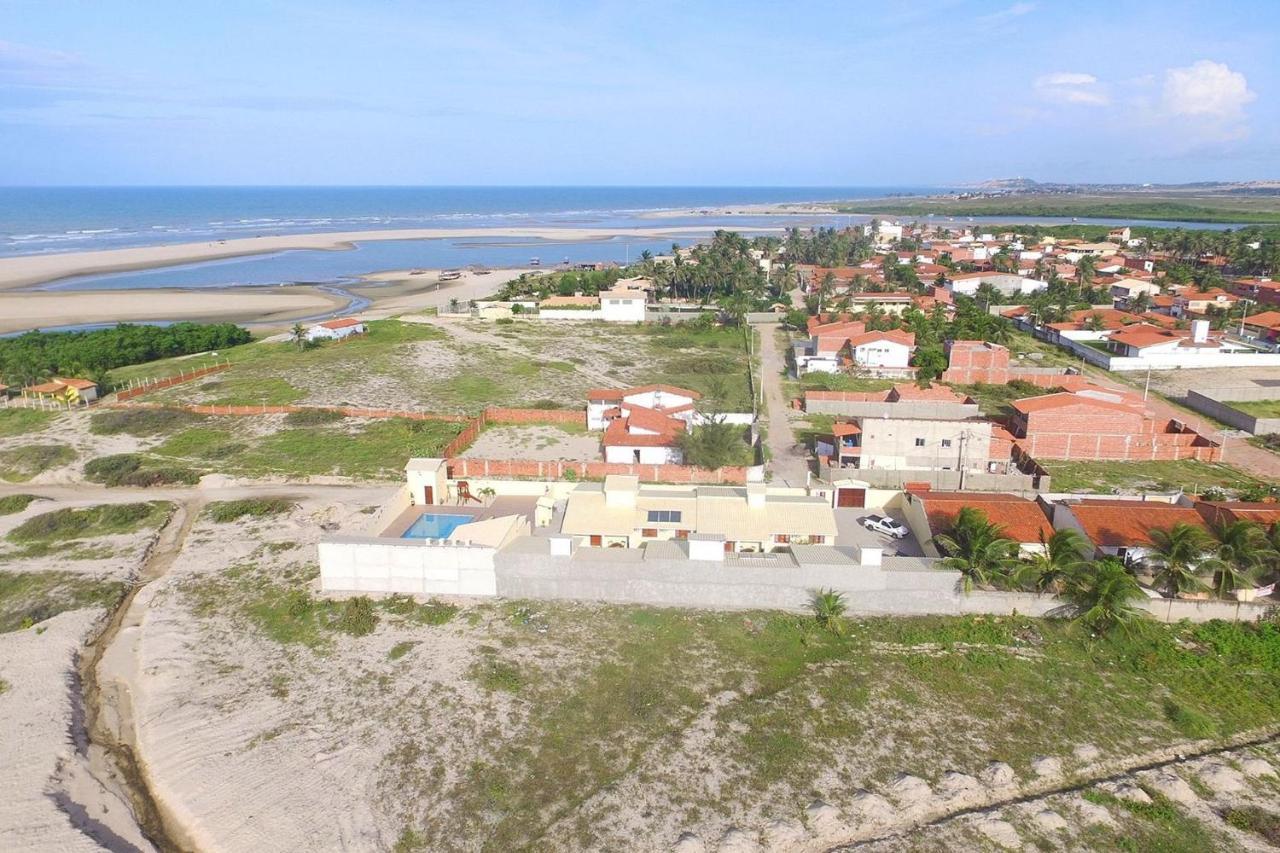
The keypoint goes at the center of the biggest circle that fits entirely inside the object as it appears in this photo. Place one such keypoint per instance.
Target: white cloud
(1017, 10)
(1208, 90)
(1071, 87)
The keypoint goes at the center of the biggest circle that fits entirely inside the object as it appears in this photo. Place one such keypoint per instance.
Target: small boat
(535, 262)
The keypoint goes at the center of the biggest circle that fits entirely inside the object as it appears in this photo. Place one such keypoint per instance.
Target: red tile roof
(1258, 512)
(343, 323)
(1067, 399)
(1123, 524)
(911, 392)
(1019, 519)
(896, 336)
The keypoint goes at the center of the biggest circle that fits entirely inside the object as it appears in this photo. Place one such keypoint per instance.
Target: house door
(637, 457)
(429, 494)
(851, 497)
(597, 541)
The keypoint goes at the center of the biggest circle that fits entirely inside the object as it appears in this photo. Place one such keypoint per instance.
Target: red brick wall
(349, 411)
(535, 416)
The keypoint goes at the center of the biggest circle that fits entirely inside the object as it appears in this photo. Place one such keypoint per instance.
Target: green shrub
(1255, 820)
(23, 463)
(223, 512)
(10, 504)
(313, 417)
(126, 469)
(15, 420)
(140, 422)
(357, 617)
(102, 520)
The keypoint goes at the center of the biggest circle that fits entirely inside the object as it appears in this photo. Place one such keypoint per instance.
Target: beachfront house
(336, 330)
(67, 390)
(622, 513)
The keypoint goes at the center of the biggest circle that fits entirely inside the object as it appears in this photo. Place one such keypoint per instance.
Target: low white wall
(390, 511)
(569, 314)
(414, 567)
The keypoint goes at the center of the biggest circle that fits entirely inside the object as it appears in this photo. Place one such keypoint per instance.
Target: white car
(886, 525)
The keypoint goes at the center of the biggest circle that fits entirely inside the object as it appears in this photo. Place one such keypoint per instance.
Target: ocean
(37, 220)
(65, 219)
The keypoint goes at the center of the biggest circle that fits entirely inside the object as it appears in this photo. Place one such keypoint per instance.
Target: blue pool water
(432, 526)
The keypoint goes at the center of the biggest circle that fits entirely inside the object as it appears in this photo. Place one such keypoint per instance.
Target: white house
(1009, 284)
(623, 306)
(332, 330)
(882, 349)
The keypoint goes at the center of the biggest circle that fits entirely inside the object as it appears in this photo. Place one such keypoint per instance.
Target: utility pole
(1243, 314)
(1146, 389)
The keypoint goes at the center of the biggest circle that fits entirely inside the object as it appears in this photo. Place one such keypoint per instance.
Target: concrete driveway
(851, 532)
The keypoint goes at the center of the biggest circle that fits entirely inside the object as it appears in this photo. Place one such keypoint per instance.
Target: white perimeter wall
(360, 564)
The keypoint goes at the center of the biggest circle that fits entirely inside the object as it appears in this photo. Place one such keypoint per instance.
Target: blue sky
(747, 93)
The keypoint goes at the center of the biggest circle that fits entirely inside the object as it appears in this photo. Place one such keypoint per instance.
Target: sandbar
(27, 270)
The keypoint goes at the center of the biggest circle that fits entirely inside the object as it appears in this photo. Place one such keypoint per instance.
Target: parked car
(886, 525)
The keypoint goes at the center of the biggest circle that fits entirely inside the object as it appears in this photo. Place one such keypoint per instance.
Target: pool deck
(500, 507)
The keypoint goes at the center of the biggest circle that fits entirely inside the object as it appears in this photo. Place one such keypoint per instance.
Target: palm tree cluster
(1102, 592)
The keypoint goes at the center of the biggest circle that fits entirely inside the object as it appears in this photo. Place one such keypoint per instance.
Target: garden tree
(1095, 322)
(988, 294)
(797, 319)
(1179, 556)
(1242, 552)
(713, 445)
(1061, 554)
(1101, 595)
(827, 247)
(976, 549)
(930, 362)
(1140, 302)
(1003, 261)
(298, 335)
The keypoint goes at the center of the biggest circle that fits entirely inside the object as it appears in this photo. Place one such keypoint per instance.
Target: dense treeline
(38, 355)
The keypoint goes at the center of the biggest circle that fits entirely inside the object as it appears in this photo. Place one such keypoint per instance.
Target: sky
(926, 93)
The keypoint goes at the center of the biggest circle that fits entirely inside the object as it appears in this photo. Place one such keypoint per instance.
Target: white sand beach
(48, 309)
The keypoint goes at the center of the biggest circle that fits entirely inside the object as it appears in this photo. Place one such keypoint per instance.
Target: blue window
(665, 516)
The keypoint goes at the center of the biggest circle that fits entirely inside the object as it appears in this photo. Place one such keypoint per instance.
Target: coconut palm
(1101, 595)
(828, 608)
(1060, 555)
(1179, 556)
(298, 334)
(976, 549)
(1242, 552)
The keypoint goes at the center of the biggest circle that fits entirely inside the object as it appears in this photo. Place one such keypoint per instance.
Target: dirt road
(789, 466)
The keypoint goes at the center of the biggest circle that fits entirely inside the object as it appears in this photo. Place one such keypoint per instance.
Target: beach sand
(258, 305)
(26, 270)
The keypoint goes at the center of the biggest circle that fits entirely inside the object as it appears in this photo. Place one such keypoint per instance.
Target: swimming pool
(431, 525)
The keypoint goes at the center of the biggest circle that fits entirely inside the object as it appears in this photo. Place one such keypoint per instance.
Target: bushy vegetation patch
(223, 512)
(88, 522)
(16, 420)
(140, 422)
(10, 504)
(131, 469)
(20, 464)
(27, 598)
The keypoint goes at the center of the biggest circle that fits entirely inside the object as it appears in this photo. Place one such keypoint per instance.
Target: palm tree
(1101, 595)
(828, 608)
(1241, 553)
(298, 334)
(1179, 556)
(1061, 554)
(975, 548)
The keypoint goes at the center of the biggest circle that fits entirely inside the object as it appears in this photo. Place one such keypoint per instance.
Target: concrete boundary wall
(821, 404)
(411, 566)
(1028, 485)
(1217, 404)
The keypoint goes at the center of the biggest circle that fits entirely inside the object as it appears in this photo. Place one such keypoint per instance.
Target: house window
(919, 442)
(946, 442)
(649, 533)
(782, 538)
(682, 534)
(665, 516)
